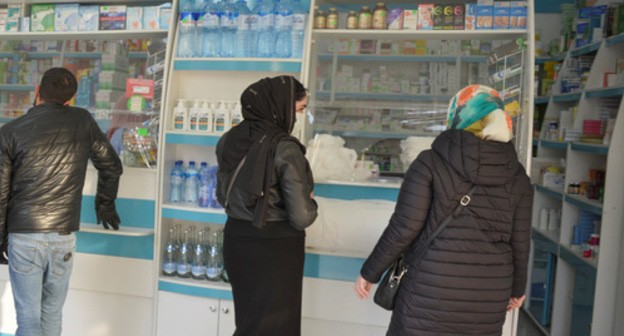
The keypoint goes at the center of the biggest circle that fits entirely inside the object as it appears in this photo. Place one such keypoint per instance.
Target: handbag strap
(231, 184)
(465, 200)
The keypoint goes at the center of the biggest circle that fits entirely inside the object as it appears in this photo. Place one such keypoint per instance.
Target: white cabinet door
(180, 314)
(227, 324)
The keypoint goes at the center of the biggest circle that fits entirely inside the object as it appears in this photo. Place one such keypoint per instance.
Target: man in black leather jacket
(43, 162)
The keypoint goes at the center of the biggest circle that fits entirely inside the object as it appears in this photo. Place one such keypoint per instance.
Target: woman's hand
(362, 287)
(515, 303)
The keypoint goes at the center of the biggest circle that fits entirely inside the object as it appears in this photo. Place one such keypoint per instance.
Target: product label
(265, 22)
(187, 19)
(254, 23)
(210, 20)
(243, 22)
(220, 124)
(380, 19)
(298, 21)
(202, 124)
(193, 123)
(178, 122)
(229, 20)
(283, 22)
(365, 21)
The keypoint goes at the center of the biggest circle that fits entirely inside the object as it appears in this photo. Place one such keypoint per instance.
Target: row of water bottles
(229, 28)
(194, 253)
(204, 116)
(194, 186)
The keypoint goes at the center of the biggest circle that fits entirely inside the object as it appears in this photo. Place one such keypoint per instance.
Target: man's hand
(515, 303)
(107, 215)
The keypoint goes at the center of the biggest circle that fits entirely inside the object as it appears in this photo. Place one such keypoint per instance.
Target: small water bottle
(214, 262)
(211, 42)
(198, 267)
(187, 29)
(170, 255)
(183, 265)
(243, 32)
(266, 25)
(283, 28)
(298, 28)
(176, 181)
(204, 186)
(228, 25)
(191, 182)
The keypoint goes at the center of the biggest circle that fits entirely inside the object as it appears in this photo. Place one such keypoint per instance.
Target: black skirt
(266, 275)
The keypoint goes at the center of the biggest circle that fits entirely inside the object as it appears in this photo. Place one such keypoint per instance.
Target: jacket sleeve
(296, 184)
(108, 164)
(406, 223)
(5, 183)
(520, 243)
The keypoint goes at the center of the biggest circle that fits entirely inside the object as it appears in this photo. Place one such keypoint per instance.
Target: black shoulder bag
(389, 284)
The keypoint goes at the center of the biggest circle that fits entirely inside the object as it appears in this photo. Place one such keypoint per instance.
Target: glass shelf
(128, 231)
(613, 40)
(586, 49)
(194, 213)
(238, 64)
(593, 206)
(590, 148)
(191, 138)
(550, 192)
(421, 34)
(85, 35)
(549, 239)
(541, 100)
(574, 257)
(195, 287)
(567, 97)
(605, 92)
(561, 145)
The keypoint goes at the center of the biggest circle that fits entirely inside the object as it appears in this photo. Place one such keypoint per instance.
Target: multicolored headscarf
(479, 109)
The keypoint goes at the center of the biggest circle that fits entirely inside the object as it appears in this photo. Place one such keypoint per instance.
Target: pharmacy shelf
(561, 145)
(85, 35)
(402, 58)
(574, 257)
(510, 34)
(550, 192)
(238, 64)
(17, 87)
(370, 135)
(605, 92)
(195, 287)
(584, 50)
(541, 100)
(384, 96)
(569, 97)
(127, 231)
(590, 148)
(613, 40)
(191, 138)
(584, 203)
(193, 213)
(548, 238)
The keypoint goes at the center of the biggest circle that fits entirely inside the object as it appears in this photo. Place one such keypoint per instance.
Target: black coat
(465, 279)
(43, 161)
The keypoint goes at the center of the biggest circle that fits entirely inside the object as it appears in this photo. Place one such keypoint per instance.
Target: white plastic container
(237, 114)
(194, 115)
(180, 116)
(222, 118)
(205, 120)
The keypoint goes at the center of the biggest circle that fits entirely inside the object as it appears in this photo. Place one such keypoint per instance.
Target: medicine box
(470, 19)
(425, 16)
(517, 15)
(485, 13)
(42, 17)
(113, 17)
(501, 14)
(410, 19)
(165, 16)
(66, 17)
(88, 17)
(150, 18)
(134, 18)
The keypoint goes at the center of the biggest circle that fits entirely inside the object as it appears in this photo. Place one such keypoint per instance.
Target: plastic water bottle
(283, 28)
(212, 187)
(176, 181)
(243, 32)
(187, 29)
(169, 257)
(228, 25)
(191, 182)
(254, 23)
(298, 28)
(214, 259)
(183, 266)
(211, 39)
(198, 267)
(266, 24)
(204, 186)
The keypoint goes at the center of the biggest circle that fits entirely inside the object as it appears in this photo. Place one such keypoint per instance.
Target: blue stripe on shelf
(578, 263)
(351, 192)
(226, 65)
(332, 267)
(549, 192)
(17, 87)
(605, 92)
(590, 148)
(114, 245)
(3, 334)
(194, 291)
(550, 6)
(192, 139)
(132, 212)
(617, 39)
(474, 59)
(194, 216)
(554, 144)
(567, 97)
(586, 49)
(545, 242)
(542, 60)
(584, 205)
(541, 99)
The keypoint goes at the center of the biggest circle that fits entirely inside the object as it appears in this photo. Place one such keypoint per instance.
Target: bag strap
(231, 184)
(465, 200)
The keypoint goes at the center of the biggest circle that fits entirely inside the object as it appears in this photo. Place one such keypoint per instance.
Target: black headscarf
(268, 108)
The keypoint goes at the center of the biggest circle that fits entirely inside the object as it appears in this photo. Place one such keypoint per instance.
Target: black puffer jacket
(465, 280)
(289, 198)
(43, 161)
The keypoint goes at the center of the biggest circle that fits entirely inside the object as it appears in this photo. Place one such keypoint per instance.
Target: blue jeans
(40, 265)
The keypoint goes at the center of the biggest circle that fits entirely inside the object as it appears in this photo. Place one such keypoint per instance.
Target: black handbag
(389, 284)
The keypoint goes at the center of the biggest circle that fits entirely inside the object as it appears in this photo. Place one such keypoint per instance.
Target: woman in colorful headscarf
(265, 184)
(476, 268)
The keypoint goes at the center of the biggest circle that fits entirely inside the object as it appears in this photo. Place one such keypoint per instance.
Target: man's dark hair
(300, 91)
(58, 85)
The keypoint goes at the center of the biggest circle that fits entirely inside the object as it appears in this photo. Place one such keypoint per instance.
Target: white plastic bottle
(180, 116)
(206, 118)
(223, 119)
(237, 114)
(194, 115)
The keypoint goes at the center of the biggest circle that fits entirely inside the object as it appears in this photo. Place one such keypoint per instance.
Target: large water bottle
(191, 182)
(243, 32)
(253, 32)
(176, 182)
(283, 28)
(183, 265)
(211, 38)
(214, 259)
(266, 25)
(229, 25)
(204, 186)
(198, 267)
(170, 254)
(300, 14)
(187, 29)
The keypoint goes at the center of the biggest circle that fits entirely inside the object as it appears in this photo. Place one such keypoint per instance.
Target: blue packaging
(88, 17)
(485, 14)
(66, 17)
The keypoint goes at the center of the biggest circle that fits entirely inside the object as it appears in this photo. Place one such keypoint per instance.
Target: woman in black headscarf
(266, 187)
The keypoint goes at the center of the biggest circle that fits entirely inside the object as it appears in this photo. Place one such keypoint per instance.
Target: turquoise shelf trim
(558, 57)
(5, 120)
(332, 267)
(116, 246)
(370, 135)
(474, 59)
(567, 97)
(192, 139)
(384, 96)
(584, 205)
(605, 92)
(3, 334)
(545, 242)
(133, 212)
(163, 285)
(578, 263)
(233, 65)
(617, 39)
(83, 55)
(17, 87)
(541, 100)
(590, 148)
(586, 49)
(554, 144)
(549, 192)
(535, 142)
(389, 58)
(542, 60)
(194, 216)
(351, 192)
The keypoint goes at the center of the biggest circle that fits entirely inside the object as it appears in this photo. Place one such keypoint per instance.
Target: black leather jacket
(43, 161)
(289, 197)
